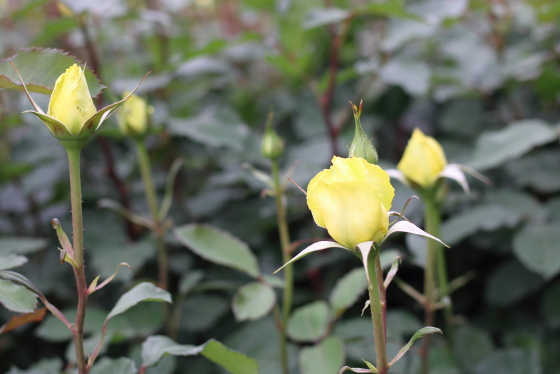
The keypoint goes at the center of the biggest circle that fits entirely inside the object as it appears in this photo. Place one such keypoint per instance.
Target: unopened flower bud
(133, 116)
(71, 102)
(361, 146)
(272, 145)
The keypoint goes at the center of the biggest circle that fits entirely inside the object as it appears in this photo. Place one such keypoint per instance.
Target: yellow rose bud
(423, 159)
(351, 200)
(133, 117)
(71, 101)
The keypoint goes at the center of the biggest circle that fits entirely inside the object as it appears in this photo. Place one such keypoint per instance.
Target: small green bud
(361, 146)
(272, 145)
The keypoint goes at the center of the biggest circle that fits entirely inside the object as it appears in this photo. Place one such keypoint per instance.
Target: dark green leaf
(536, 246)
(348, 289)
(17, 298)
(324, 358)
(218, 246)
(142, 292)
(234, 362)
(309, 322)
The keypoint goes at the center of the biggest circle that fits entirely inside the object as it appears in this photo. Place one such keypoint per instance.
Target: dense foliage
(482, 77)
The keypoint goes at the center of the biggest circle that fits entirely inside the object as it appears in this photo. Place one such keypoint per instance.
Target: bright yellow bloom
(423, 159)
(351, 200)
(133, 118)
(71, 101)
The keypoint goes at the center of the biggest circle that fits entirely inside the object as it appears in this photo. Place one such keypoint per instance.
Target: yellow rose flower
(423, 159)
(351, 200)
(133, 118)
(71, 101)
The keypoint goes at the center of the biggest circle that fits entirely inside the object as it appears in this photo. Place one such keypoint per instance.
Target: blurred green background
(481, 76)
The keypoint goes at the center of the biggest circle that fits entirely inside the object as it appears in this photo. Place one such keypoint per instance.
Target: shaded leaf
(122, 365)
(511, 282)
(11, 261)
(155, 347)
(324, 358)
(536, 246)
(16, 245)
(218, 246)
(309, 322)
(347, 290)
(253, 301)
(550, 305)
(495, 147)
(322, 17)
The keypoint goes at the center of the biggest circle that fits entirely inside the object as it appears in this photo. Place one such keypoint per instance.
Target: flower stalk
(151, 200)
(289, 271)
(376, 291)
(78, 245)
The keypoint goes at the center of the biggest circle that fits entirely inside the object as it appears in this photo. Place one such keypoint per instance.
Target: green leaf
(53, 330)
(17, 298)
(122, 365)
(493, 148)
(347, 290)
(550, 305)
(322, 17)
(309, 322)
(486, 218)
(253, 301)
(536, 246)
(40, 68)
(9, 245)
(324, 358)
(511, 282)
(218, 246)
(11, 261)
(142, 292)
(388, 8)
(155, 347)
(537, 171)
(201, 311)
(420, 333)
(234, 362)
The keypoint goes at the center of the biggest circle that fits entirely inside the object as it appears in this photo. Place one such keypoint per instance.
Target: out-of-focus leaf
(234, 362)
(53, 330)
(493, 148)
(253, 301)
(348, 289)
(11, 261)
(486, 218)
(213, 128)
(511, 282)
(155, 347)
(17, 298)
(322, 17)
(40, 69)
(550, 305)
(142, 292)
(262, 346)
(401, 322)
(309, 322)
(472, 345)
(536, 246)
(326, 357)
(9, 245)
(202, 311)
(510, 361)
(412, 76)
(218, 246)
(122, 365)
(537, 171)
